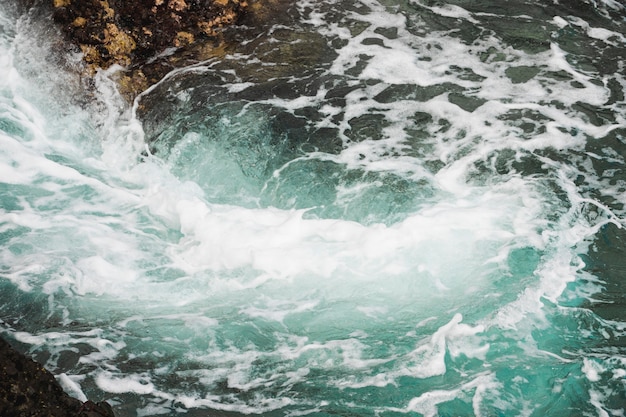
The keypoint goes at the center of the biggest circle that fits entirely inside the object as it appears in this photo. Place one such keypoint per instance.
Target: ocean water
(366, 208)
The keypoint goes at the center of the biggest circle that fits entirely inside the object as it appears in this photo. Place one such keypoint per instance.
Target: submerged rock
(27, 389)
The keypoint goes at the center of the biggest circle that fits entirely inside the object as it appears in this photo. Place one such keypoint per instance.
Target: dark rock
(136, 34)
(27, 389)
(149, 38)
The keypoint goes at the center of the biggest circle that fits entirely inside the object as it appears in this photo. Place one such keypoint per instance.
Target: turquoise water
(374, 208)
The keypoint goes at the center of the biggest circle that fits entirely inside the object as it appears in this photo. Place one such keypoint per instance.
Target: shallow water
(373, 208)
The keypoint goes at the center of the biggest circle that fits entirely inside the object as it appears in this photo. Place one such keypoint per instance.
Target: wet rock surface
(143, 36)
(150, 38)
(27, 389)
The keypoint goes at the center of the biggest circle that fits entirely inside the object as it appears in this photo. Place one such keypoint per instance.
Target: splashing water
(374, 208)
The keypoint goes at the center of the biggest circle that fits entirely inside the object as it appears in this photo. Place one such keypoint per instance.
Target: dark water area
(372, 208)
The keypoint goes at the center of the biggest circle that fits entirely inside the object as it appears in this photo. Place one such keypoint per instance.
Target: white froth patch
(560, 22)
(133, 383)
(236, 88)
(99, 275)
(256, 406)
(592, 369)
(597, 399)
(398, 61)
(71, 385)
(397, 67)
(282, 244)
(605, 35)
(427, 403)
(450, 10)
(30, 339)
(454, 338)
(277, 310)
(373, 312)
(266, 239)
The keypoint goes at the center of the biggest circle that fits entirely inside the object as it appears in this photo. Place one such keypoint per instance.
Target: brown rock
(27, 389)
(134, 34)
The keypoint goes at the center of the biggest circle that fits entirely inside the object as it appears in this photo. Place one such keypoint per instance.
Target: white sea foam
(450, 10)
(427, 403)
(592, 370)
(254, 308)
(453, 339)
(71, 385)
(137, 384)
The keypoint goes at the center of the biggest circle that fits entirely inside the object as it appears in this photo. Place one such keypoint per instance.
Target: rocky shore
(142, 37)
(27, 389)
(148, 39)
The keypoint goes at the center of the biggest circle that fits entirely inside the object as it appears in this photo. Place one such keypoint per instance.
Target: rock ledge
(143, 36)
(27, 389)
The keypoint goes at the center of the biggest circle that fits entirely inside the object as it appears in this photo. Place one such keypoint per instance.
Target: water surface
(373, 208)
